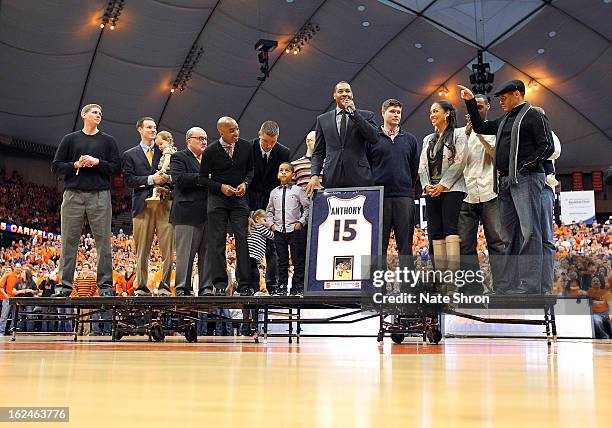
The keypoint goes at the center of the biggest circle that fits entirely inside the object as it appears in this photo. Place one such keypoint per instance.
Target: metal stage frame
(153, 315)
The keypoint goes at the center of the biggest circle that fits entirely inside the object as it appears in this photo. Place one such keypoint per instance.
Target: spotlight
(184, 74)
(263, 46)
(481, 77)
(303, 36)
(111, 13)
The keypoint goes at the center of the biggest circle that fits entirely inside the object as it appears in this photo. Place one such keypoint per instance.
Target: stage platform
(153, 315)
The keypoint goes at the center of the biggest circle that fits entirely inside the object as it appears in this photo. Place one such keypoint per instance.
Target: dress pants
(222, 209)
(154, 219)
(190, 240)
(96, 205)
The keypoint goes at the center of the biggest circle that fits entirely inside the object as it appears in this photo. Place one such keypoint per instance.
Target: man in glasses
(188, 214)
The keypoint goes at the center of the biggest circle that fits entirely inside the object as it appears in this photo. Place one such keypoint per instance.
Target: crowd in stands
(38, 206)
(583, 267)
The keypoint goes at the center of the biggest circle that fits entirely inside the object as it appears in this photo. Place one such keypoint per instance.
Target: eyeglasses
(199, 138)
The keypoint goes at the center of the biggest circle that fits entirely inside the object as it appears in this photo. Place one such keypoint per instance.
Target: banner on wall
(344, 237)
(28, 231)
(577, 207)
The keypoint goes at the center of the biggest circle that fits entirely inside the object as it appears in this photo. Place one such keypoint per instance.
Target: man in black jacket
(149, 217)
(188, 213)
(268, 154)
(523, 143)
(342, 135)
(227, 170)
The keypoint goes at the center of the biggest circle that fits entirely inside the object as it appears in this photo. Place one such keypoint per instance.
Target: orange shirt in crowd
(125, 285)
(600, 297)
(7, 283)
(84, 286)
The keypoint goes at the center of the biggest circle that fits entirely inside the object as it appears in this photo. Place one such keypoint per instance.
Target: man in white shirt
(480, 204)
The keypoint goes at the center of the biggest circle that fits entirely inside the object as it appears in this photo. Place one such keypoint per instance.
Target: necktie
(150, 156)
(265, 159)
(343, 127)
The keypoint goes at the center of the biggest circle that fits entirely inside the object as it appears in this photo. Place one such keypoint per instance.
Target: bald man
(227, 171)
(188, 214)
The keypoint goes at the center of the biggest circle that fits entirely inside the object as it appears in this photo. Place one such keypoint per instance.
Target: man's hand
(240, 190)
(313, 184)
(160, 178)
(466, 94)
(298, 226)
(428, 189)
(88, 161)
(273, 228)
(348, 103)
(227, 190)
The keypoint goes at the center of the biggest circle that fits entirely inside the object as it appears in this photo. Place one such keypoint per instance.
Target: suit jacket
(346, 164)
(189, 197)
(265, 177)
(136, 170)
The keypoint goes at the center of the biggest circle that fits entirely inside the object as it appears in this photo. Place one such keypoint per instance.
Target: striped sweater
(301, 171)
(84, 287)
(257, 241)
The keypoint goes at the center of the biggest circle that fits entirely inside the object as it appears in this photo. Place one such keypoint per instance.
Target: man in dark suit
(227, 170)
(188, 213)
(342, 136)
(268, 154)
(149, 217)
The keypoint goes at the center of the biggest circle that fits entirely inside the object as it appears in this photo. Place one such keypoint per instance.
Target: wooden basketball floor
(317, 383)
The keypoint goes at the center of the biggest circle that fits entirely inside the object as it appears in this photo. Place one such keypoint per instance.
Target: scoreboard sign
(344, 239)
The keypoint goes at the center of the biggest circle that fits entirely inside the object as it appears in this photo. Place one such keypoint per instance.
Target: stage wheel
(157, 333)
(397, 338)
(191, 334)
(434, 335)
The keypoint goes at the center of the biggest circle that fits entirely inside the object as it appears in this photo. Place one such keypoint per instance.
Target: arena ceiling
(54, 58)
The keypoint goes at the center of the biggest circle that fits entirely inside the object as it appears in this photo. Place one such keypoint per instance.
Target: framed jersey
(344, 240)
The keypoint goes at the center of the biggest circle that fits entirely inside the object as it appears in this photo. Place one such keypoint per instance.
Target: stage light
(111, 13)
(184, 74)
(263, 46)
(481, 77)
(443, 91)
(532, 86)
(302, 37)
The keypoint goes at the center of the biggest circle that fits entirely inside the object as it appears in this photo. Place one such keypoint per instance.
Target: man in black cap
(524, 142)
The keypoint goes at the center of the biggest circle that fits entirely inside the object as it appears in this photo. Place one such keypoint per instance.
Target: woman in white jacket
(441, 173)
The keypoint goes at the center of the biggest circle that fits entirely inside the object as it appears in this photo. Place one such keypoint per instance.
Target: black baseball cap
(510, 86)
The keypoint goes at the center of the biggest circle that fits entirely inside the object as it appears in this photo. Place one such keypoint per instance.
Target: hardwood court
(319, 382)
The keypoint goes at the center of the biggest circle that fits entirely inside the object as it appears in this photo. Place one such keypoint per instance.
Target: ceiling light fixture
(302, 37)
(481, 78)
(263, 46)
(111, 13)
(443, 91)
(532, 86)
(184, 74)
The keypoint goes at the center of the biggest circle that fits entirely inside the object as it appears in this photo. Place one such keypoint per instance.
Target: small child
(286, 214)
(165, 143)
(258, 233)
